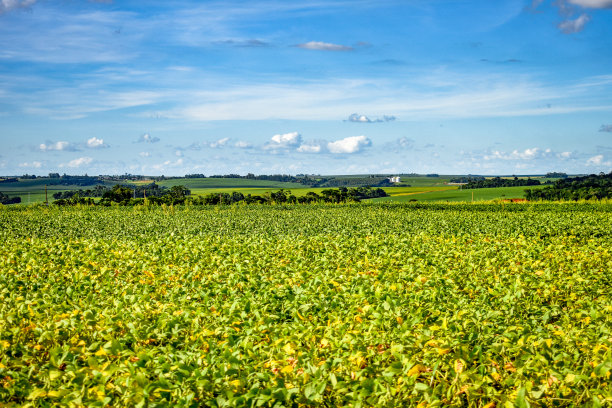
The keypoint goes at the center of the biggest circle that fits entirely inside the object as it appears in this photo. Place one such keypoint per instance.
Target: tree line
(178, 195)
(500, 182)
(591, 187)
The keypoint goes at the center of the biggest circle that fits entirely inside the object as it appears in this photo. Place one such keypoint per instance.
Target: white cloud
(599, 4)
(95, 143)
(178, 153)
(168, 164)
(598, 160)
(309, 148)
(351, 144)
(8, 5)
(323, 46)
(359, 118)
(364, 119)
(147, 138)
(565, 155)
(81, 161)
(574, 26)
(284, 141)
(527, 154)
(219, 143)
(144, 154)
(58, 146)
(34, 164)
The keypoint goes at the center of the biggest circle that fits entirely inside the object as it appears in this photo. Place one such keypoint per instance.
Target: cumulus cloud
(57, 146)
(323, 46)
(284, 141)
(309, 148)
(95, 143)
(349, 145)
(147, 138)
(574, 26)
(80, 162)
(34, 164)
(364, 119)
(8, 5)
(606, 128)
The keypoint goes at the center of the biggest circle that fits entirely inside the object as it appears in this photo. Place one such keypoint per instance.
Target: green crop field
(388, 305)
(452, 193)
(227, 183)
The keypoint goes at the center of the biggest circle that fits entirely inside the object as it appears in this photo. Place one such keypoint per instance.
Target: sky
(315, 87)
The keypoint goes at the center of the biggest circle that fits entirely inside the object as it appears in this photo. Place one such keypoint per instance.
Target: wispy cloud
(574, 26)
(598, 4)
(8, 5)
(241, 144)
(323, 46)
(605, 128)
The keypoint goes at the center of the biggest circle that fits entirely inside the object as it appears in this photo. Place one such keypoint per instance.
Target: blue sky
(316, 86)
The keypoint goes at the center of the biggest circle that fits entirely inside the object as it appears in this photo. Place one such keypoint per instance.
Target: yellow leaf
(100, 352)
(416, 370)
(548, 342)
(399, 319)
(459, 365)
(570, 378)
(287, 369)
(289, 349)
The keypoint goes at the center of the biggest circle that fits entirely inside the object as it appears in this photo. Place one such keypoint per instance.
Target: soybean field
(383, 304)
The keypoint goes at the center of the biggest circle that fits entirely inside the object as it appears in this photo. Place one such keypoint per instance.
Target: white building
(395, 179)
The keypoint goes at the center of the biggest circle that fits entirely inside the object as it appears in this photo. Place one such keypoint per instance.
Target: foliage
(500, 182)
(5, 199)
(322, 305)
(592, 187)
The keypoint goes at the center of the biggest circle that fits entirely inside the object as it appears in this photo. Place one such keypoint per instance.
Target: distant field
(225, 183)
(480, 194)
(421, 189)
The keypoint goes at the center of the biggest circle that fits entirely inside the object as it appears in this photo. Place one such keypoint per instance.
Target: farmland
(359, 305)
(413, 188)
